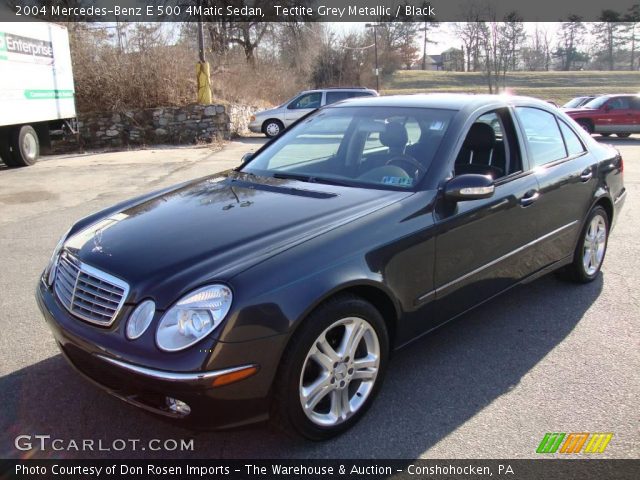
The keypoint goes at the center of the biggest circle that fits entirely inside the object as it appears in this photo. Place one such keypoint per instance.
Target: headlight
(140, 319)
(50, 271)
(194, 317)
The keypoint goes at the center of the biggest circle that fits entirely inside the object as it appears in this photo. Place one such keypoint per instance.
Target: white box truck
(36, 89)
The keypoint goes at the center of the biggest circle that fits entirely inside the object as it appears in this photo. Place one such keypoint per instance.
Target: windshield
(576, 102)
(596, 102)
(377, 147)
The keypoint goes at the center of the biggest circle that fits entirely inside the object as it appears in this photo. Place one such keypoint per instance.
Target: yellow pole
(204, 83)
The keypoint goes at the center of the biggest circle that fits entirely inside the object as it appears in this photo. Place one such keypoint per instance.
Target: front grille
(88, 293)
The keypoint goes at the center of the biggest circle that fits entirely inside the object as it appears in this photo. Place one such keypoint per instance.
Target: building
(452, 60)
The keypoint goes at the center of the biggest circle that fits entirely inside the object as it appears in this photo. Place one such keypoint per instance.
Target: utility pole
(375, 48)
(202, 68)
(424, 48)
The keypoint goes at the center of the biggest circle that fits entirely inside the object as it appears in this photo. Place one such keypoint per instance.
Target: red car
(607, 114)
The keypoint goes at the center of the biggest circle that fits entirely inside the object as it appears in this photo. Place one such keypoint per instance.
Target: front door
(484, 246)
(302, 105)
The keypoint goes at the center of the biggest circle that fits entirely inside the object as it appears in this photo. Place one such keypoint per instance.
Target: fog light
(178, 406)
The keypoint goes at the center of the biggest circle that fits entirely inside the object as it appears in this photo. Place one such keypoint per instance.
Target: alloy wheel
(339, 371)
(595, 242)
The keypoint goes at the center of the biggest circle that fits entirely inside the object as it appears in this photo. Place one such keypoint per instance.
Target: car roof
(338, 89)
(614, 95)
(450, 101)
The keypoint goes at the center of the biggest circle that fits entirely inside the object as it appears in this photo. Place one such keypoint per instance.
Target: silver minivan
(272, 122)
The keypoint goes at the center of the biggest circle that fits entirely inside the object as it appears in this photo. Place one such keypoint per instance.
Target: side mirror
(246, 157)
(469, 187)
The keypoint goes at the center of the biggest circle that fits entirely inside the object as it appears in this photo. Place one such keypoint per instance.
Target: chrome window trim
(97, 273)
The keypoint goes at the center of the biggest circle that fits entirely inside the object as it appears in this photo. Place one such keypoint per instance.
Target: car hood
(270, 111)
(213, 228)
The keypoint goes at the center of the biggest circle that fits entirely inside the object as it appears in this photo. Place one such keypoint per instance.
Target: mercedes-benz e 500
(278, 290)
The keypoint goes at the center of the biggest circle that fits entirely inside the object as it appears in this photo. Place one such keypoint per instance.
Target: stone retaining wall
(166, 125)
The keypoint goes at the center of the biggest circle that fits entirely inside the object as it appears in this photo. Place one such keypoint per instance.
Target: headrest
(394, 136)
(480, 137)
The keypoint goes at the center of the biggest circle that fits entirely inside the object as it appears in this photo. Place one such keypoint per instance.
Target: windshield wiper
(311, 179)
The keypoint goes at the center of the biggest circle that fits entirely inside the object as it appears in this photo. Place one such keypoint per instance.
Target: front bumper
(227, 406)
(255, 127)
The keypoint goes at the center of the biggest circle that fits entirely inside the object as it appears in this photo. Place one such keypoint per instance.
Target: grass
(557, 86)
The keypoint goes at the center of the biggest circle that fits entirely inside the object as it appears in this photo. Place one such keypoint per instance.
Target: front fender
(281, 309)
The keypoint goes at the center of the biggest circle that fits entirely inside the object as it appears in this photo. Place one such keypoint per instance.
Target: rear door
(635, 111)
(617, 116)
(566, 173)
(305, 103)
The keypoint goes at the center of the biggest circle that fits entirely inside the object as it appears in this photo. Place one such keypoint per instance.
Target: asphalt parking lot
(547, 357)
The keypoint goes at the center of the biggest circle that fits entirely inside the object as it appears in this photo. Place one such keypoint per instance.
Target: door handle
(529, 197)
(586, 175)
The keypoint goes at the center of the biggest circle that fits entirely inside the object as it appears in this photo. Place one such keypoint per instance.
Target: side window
(310, 100)
(414, 132)
(571, 140)
(361, 94)
(490, 147)
(543, 135)
(635, 103)
(619, 103)
(333, 97)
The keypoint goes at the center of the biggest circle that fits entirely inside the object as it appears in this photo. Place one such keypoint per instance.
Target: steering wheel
(416, 166)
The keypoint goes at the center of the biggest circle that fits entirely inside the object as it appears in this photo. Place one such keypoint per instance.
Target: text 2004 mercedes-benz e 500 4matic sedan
(278, 289)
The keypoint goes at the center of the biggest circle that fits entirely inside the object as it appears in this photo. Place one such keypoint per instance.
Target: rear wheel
(591, 249)
(5, 147)
(586, 125)
(332, 369)
(622, 135)
(25, 146)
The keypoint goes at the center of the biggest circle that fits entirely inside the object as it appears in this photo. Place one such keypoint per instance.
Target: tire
(622, 135)
(597, 227)
(586, 125)
(272, 128)
(605, 134)
(25, 146)
(5, 147)
(317, 354)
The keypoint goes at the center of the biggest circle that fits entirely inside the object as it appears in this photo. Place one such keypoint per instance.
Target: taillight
(621, 164)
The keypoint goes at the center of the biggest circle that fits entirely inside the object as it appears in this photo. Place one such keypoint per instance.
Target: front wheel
(623, 135)
(273, 128)
(605, 135)
(591, 248)
(332, 369)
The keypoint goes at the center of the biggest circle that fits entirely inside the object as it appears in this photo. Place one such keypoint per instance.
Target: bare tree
(471, 31)
(570, 35)
(607, 32)
(514, 35)
(535, 53)
(632, 19)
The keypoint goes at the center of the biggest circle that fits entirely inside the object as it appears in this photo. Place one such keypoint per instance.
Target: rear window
(333, 97)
